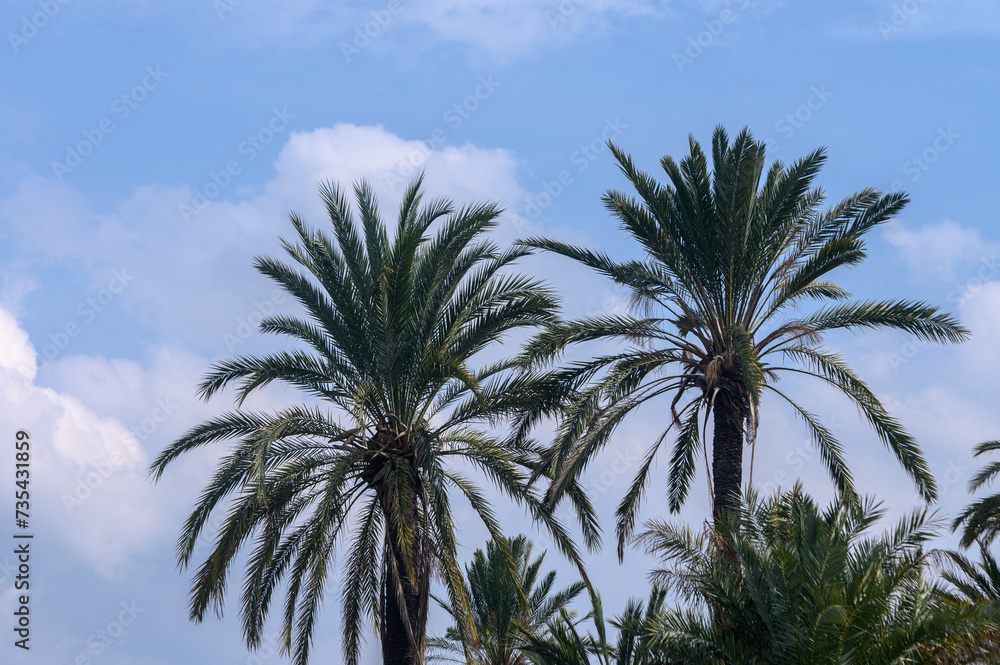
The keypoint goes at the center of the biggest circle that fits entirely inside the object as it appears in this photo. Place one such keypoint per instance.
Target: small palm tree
(563, 644)
(370, 465)
(730, 263)
(981, 520)
(503, 604)
(788, 583)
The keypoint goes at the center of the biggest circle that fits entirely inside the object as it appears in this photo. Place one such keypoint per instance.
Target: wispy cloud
(506, 29)
(942, 251)
(913, 19)
(498, 29)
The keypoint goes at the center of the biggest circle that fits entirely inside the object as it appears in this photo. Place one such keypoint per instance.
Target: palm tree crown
(390, 327)
(730, 261)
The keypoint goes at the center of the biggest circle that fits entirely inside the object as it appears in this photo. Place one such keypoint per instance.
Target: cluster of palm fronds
(784, 583)
(388, 349)
(788, 583)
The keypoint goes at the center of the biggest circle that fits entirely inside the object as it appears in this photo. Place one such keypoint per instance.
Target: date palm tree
(730, 265)
(792, 584)
(370, 463)
(981, 519)
(504, 605)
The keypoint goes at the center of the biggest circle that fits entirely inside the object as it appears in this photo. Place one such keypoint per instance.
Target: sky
(149, 150)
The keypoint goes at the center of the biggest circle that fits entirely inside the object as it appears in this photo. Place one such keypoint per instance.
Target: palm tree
(795, 585)
(729, 264)
(503, 604)
(982, 517)
(563, 644)
(390, 327)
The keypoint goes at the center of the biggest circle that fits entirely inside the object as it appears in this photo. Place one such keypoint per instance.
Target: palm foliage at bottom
(564, 645)
(788, 583)
(505, 604)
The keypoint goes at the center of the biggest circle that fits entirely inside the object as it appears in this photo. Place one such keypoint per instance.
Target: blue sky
(149, 149)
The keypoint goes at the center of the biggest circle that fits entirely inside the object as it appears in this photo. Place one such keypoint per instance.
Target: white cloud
(17, 357)
(87, 471)
(944, 250)
(346, 153)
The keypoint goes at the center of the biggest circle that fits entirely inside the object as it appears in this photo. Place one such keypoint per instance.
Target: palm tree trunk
(413, 579)
(727, 457)
(397, 647)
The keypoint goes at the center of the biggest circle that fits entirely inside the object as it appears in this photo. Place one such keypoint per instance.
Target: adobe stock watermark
(218, 181)
(624, 463)
(902, 13)
(204, 544)
(706, 38)
(454, 116)
(955, 475)
(793, 121)
(566, 8)
(796, 459)
(101, 640)
(581, 159)
(122, 107)
(371, 29)
(225, 7)
(960, 294)
(32, 23)
(247, 325)
(86, 313)
(267, 650)
(92, 480)
(613, 304)
(919, 163)
(967, 290)
(907, 351)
